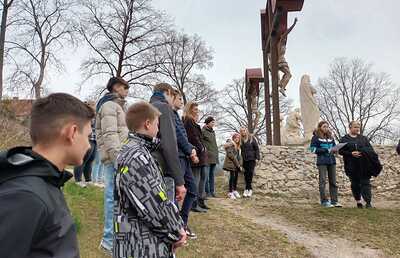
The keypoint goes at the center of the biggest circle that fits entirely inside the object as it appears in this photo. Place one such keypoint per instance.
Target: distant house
(21, 108)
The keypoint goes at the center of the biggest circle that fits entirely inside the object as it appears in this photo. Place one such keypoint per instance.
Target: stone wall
(292, 171)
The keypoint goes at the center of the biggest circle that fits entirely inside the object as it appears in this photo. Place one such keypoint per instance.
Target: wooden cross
(273, 25)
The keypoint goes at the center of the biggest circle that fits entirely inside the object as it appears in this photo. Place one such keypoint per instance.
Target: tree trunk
(3, 28)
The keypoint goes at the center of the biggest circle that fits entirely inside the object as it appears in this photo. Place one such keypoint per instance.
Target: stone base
(291, 170)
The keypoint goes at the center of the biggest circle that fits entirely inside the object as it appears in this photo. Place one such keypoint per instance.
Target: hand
(180, 192)
(195, 159)
(181, 241)
(356, 154)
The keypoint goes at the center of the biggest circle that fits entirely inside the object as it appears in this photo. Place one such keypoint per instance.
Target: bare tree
(184, 55)
(122, 36)
(234, 113)
(6, 5)
(352, 91)
(41, 30)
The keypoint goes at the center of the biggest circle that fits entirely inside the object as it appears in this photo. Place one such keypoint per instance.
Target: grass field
(376, 228)
(224, 234)
(221, 234)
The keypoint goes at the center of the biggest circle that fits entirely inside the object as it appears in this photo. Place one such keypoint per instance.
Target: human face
(152, 127)
(243, 132)
(211, 124)
(77, 143)
(178, 102)
(325, 128)
(236, 139)
(120, 90)
(355, 128)
(125, 92)
(196, 112)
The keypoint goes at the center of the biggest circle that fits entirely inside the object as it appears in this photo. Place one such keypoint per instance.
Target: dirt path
(321, 247)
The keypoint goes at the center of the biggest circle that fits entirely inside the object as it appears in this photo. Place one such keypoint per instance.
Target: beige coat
(111, 130)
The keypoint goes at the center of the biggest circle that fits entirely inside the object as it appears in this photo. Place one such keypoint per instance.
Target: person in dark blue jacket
(187, 154)
(321, 144)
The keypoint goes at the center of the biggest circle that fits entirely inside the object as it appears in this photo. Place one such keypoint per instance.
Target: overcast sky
(326, 29)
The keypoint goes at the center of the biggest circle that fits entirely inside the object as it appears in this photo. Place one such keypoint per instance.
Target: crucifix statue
(283, 65)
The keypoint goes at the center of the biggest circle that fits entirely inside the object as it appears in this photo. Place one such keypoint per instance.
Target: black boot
(203, 205)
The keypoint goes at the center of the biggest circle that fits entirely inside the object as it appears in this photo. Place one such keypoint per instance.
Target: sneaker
(231, 196)
(245, 193)
(337, 205)
(327, 204)
(250, 193)
(236, 193)
(190, 233)
(81, 184)
(359, 205)
(198, 209)
(107, 251)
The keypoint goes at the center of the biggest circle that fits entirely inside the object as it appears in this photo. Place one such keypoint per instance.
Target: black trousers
(249, 167)
(233, 179)
(86, 167)
(361, 187)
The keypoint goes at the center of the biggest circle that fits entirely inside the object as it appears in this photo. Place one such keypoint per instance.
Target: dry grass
(221, 234)
(375, 228)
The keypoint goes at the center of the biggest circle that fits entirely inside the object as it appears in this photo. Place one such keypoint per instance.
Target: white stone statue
(293, 128)
(310, 113)
(283, 133)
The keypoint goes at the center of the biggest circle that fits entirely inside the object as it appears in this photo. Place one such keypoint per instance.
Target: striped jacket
(147, 223)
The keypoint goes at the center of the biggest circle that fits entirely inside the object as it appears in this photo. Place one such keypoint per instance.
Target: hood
(158, 96)
(104, 99)
(229, 145)
(22, 161)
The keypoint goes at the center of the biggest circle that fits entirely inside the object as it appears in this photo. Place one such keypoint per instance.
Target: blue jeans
(191, 188)
(97, 173)
(210, 182)
(109, 172)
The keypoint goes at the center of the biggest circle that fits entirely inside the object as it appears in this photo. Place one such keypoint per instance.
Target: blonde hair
(188, 110)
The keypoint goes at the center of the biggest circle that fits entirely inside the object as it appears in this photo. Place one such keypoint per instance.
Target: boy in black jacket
(34, 217)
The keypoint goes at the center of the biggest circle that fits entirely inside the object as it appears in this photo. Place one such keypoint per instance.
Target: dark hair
(209, 120)
(164, 87)
(51, 113)
(138, 113)
(116, 80)
(354, 122)
(321, 134)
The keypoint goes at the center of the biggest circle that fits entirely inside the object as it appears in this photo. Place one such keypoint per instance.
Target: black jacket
(34, 217)
(167, 154)
(364, 167)
(250, 150)
(195, 137)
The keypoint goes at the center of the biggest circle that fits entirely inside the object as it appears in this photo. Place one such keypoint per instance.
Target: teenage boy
(186, 153)
(147, 223)
(34, 218)
(111, 131)
(167, 153)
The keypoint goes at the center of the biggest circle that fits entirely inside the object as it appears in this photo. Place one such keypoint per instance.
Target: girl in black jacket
(250, 154)
(354, 164)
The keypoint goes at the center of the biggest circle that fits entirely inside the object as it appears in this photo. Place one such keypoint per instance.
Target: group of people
(242, 154)
(360, 163)
(158, 168)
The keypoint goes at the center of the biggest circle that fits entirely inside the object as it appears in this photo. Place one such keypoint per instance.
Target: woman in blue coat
(321, 144)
